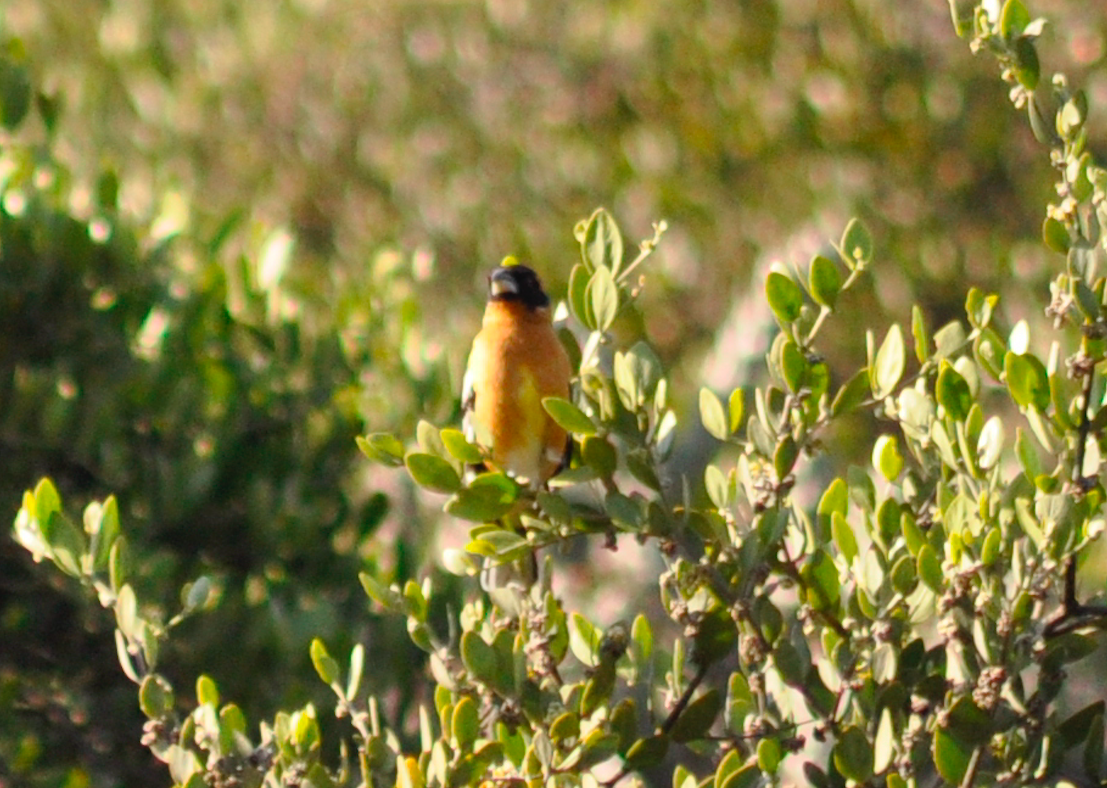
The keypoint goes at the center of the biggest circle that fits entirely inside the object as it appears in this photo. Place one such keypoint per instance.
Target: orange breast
(516, 361)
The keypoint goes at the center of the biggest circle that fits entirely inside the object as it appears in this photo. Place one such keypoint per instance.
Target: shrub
(912, 626)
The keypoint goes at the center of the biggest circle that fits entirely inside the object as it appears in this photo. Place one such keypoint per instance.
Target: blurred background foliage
(234, 235)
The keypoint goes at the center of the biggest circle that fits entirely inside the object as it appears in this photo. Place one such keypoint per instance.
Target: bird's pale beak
(502, 283)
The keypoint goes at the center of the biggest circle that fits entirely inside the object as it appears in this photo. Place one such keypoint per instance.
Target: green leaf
(383, 448)
(602, 245)
(989, 445)
(1056, 235)
(598, 454)
(124, 654)
(578, 294)
(889, 366)
(499, 543)
(968, 722)
(637, 373)
(584, 640)
(962, 12)
(820, 575)
(1013, 19)
(789, 664)
(432, 473)
(952, 392)
(647, 752)
(357, 665)
(46, 500)
(155, 696)
(460, 448)
(728, 766)
(769, 755)
(641, 641)
(718, 487)
(884, 747)
(207, 693)
(1027, 380)
(785, 297)
(949, 339)
(698, 717)
(785, 456)
(988, 350)
(641, 468)
(1043, 129)
(851, 394)
(1028, 455)
(1027, 67)
(565, 727)
(857, 245)
(602, 297)
(568, 416)
(66, 542)
(714, 637)
(416, 606)
(979, 307)
(598, 688)
(324, 663)
(736, 409)
(887, 458)
(623, 511)
(989, 550)
(843, 536)
(102, 524)
(429, 439)
(746, 777)
(853, 755)
(714, 418)
(793, 365)
(835, 499)
(904, 575)
(465, 723)
(913, 536)
(825, 281)
(930, 569)
(487, 498)
(479, 658)
(920, 334)
(624, 723)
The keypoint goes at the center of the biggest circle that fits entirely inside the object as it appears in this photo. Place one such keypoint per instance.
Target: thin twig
(671, 720)
(1070, 605)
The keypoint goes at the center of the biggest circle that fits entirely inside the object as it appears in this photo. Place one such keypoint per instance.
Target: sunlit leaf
(785, 297)
(825, 281)
(714, 418)
(889, 364)
(853, 755)
(856, 245)
(602, 296)
(432, 472)
(602, 245)
(568, 416)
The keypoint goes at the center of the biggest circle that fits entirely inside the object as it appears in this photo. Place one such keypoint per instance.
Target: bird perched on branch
(516, 361)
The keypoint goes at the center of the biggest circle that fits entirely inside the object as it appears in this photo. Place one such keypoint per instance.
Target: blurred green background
(234, 235)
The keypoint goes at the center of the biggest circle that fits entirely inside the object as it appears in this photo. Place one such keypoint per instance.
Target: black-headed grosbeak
(516, 361)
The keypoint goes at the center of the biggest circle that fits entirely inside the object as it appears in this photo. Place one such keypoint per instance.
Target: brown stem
(1070, 605)
(671, 720)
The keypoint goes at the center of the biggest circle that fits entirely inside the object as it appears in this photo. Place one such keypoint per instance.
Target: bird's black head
(517, 283)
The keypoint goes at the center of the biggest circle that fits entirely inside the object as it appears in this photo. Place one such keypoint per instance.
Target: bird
(516, 361)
